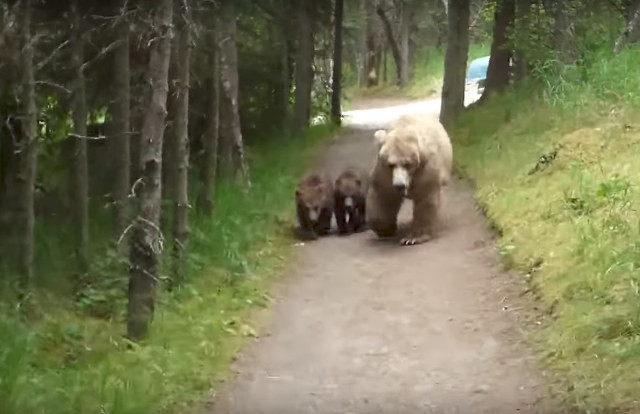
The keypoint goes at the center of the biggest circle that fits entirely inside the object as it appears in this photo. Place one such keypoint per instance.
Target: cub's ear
(380, 136)
(297, 193)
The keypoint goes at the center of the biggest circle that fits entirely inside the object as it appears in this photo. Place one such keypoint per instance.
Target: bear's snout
(400, 180)
(400, 187)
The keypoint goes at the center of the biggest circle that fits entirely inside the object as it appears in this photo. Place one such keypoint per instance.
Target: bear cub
(314, 205)
(350, 195)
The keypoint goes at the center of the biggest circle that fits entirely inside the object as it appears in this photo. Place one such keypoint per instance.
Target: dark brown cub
(349, 193)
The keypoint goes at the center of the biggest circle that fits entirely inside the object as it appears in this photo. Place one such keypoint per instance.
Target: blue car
(477, 73)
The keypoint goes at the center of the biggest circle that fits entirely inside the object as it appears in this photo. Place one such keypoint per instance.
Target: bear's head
(311, 196)
(399, 151)
(350, 186)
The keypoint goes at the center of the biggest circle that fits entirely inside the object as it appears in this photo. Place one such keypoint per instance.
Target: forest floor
(365, 326)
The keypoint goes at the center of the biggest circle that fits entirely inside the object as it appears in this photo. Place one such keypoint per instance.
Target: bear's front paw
(413, 239)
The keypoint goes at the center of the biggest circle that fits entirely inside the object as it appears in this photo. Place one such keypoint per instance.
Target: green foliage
(65, 362)
(575, 216)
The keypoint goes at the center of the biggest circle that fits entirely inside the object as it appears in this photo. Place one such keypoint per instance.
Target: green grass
(578, 216)
(65, 362)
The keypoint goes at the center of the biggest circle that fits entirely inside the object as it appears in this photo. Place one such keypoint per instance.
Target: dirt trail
(363, 326)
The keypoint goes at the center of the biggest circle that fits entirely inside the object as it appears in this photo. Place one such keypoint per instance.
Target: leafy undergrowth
(66, 362)
(559, 173)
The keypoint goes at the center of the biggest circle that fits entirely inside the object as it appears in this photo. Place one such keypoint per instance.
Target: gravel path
(364, 326)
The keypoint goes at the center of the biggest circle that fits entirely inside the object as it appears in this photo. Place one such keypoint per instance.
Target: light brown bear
(414, 161)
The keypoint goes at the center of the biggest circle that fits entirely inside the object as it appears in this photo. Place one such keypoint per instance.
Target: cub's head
(349, 185)
(311, 196)
(399, 151)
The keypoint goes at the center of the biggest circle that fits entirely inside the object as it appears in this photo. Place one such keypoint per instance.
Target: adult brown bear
(314, 205)
(414, 161)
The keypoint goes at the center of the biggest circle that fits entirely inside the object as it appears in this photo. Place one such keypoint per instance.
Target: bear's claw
(414, 240)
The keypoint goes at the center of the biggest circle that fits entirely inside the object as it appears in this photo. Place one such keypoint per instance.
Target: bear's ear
(380, 136)
(297, 193)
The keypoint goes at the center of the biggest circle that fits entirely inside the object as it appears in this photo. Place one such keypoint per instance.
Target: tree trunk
(521, 67)
(455, 62)
(385, 66)
(120, 109)
(498, 70)
(229, 94)
(210, 162)
(286, 72)
(371, 64)
(630, 34)
(146, 243)
(336, 111)
(304, 68)
(395, 51)
(80, 168)
(405, 31)
(563, 30)
(28, 148)
(180, 138)
(363, 62)
(285, 84)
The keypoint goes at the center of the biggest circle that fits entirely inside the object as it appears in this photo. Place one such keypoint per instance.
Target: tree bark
(336, 111)
(285, 64)
(120, 110)
(395, 50)
(180, 138)
(371, 47)
(405, 52)
(455, 63)
(523, 8)
(28, 148)
(80, 168)
(304, 68)
(147, 241)
(211, 138)
(563, 29)
(630, 34)
(498, 70)
(362, 46)
(229, 94)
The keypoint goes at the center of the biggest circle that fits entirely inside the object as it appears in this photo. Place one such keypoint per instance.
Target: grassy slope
(69, 363)
(578, 217)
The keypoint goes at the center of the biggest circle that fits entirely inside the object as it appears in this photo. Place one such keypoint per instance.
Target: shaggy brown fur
(350, 191)
(314, 205)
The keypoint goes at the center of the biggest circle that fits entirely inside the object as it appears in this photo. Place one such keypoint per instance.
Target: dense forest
(149, 151)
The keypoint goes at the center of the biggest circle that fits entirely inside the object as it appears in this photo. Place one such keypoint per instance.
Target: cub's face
(312, 203)
(350, 187)
(401, 155)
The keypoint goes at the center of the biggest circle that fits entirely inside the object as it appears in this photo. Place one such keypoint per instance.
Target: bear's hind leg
(425, 214)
